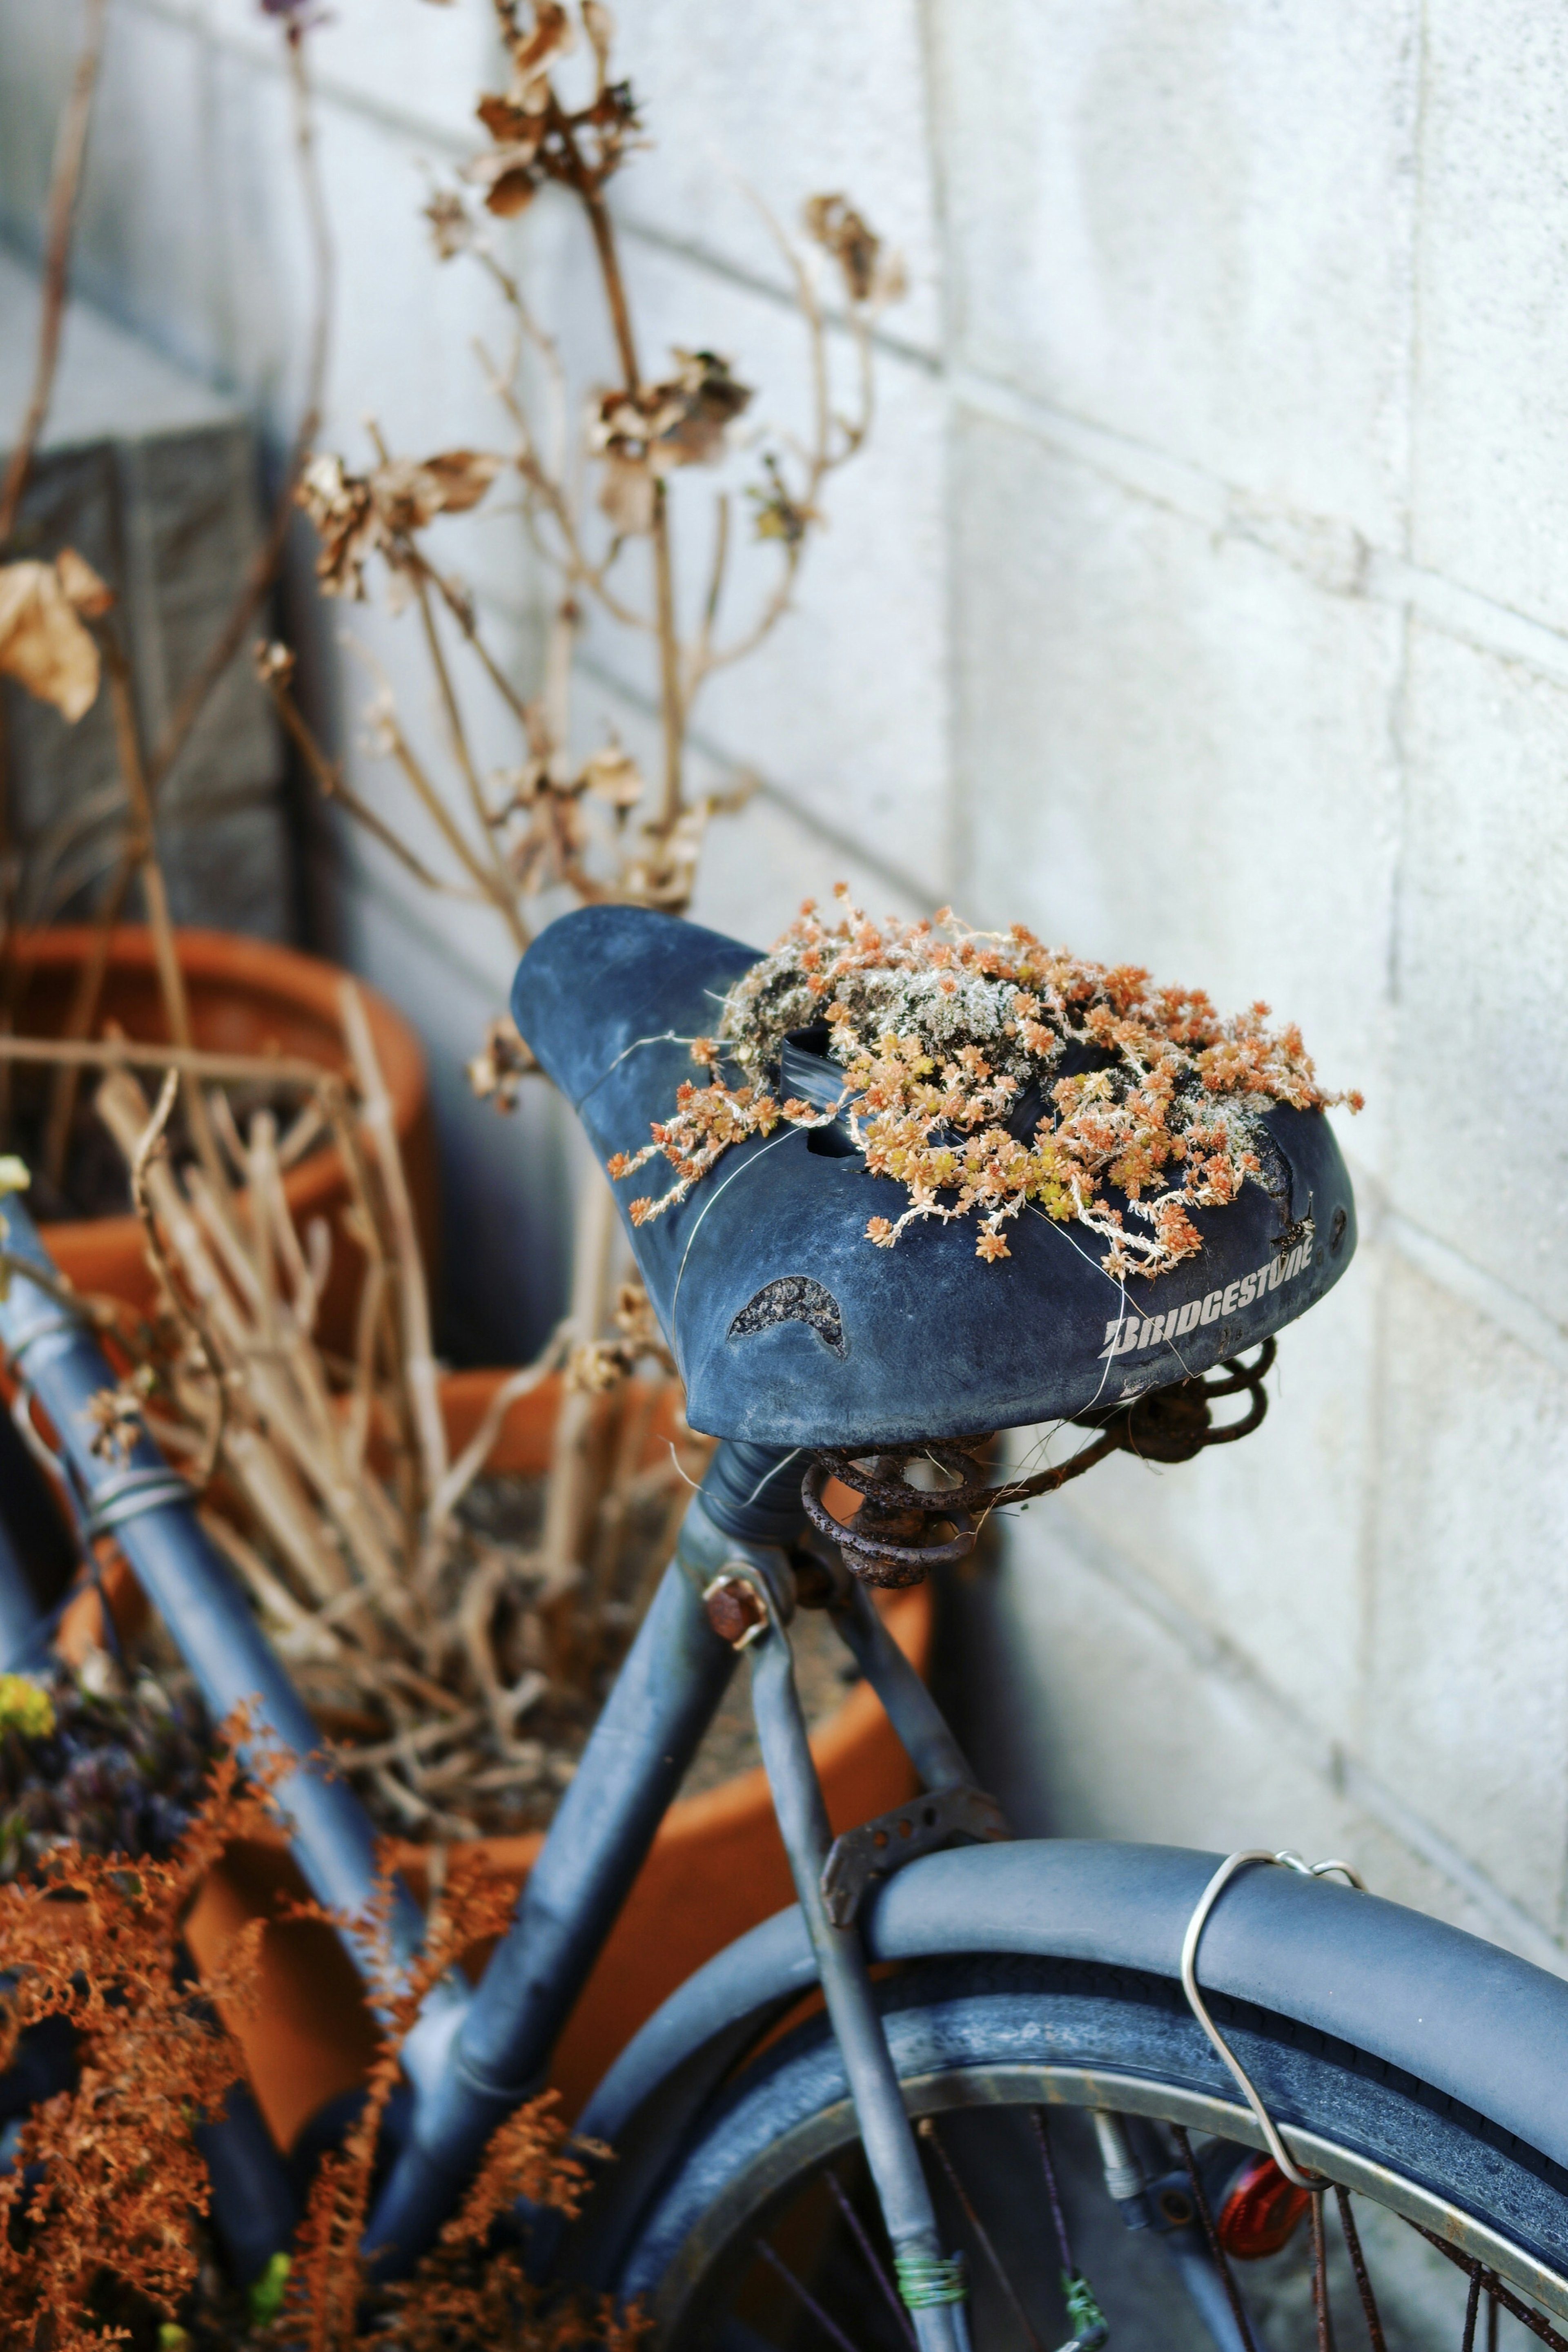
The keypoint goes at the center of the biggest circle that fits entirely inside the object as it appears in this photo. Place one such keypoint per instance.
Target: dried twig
(65, 185)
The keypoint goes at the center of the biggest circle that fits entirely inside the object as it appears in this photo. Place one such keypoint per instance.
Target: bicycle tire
(996, 2033)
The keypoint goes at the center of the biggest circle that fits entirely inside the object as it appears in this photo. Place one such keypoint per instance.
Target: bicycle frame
(473, 2057)
(1340, 1960)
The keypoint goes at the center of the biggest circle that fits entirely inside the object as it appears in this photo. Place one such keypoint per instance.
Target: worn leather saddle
(792, 1329)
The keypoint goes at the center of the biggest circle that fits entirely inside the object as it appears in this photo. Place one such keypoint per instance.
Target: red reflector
(1259, 2211)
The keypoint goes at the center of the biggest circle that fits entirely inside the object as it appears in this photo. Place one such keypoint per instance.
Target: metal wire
(834, 2333)
(1286, 1859)
(1222, 2260)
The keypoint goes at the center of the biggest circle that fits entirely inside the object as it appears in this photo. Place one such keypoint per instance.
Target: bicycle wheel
(767, 2238)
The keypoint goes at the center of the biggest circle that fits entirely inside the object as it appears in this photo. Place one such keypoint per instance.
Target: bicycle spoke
(1042, 2138)
(1472, 2306)
(858, 2230)
(1364, 2282)
(1199, 2198)
(835, 2335)
(1320, 2277)
(1495, 2288)
(928, 2132)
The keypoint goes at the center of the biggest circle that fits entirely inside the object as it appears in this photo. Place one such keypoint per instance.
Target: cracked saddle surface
(792, 1329)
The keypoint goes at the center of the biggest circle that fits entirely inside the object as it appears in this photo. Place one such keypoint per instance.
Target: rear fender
(1475, 2021)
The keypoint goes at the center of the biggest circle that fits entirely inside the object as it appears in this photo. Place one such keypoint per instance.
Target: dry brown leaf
(552, 36)
(91, 596)
(356, 516)
(684, 421)
(410, 492)
(43, 645)
(451, 229)
(341, 506)
(871, 273)
(614, 774)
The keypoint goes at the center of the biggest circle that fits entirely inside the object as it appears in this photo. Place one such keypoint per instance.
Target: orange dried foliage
(942, 1032)
(118, 2175)
(97, 2213)
(465, 2291)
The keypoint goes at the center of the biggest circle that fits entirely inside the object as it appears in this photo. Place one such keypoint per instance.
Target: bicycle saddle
(792, 1329)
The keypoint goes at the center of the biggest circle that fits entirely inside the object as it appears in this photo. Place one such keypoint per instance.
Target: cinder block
(1176, 751)
(1490, 501)
(828, 99)
(36, 55)
(1128, 1733)
(1193, 224)
(1263, 1543)
(1482, 1011)
(1091, 1714)
(1468, 1633)
(424, 66)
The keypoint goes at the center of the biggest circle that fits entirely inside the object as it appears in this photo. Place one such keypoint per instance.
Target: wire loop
(1286, 1859)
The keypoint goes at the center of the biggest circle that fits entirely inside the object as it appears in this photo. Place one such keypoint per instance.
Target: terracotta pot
(247, 996)
(716, 1867)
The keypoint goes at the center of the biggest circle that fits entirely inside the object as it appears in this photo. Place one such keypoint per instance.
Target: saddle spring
(892, 1539)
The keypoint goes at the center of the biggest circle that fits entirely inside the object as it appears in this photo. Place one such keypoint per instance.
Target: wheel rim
(802, 2153)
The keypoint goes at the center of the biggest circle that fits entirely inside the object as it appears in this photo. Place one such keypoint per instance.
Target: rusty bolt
(734, 1609)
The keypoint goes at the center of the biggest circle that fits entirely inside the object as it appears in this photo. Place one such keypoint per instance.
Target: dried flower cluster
(984, 1071)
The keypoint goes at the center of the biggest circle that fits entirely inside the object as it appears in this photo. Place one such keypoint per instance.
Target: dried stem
(500, 885)
(672, 705)
(79, 1022)
(152, 1141)
(413, 1301)
(65, 186)
(329, 776)
(194, 1061)
(171, 978)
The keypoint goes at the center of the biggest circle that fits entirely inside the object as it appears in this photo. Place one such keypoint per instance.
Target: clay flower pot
(716, 1867)
(247, 996)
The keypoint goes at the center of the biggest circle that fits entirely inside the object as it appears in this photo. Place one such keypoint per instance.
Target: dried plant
(454, 1651)
(589, 499)
(95, 2212)
(58, 634)
(470, 2288)
(101, 2214)
(985, 1073)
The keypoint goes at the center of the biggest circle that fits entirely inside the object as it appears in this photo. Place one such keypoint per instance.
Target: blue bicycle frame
(474, 2056)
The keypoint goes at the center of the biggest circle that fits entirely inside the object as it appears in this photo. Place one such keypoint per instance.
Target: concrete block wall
(1201, 601)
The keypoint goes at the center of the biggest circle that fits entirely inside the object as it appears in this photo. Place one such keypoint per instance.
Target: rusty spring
(882, 1541)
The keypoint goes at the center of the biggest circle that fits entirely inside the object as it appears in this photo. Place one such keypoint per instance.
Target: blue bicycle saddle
(792, 1329)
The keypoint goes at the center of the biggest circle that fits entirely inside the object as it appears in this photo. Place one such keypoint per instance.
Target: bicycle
(965, 2075)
